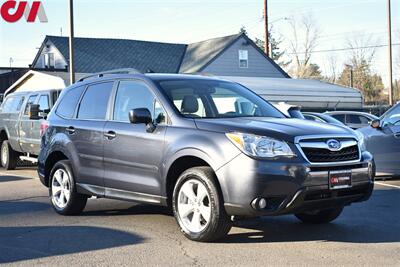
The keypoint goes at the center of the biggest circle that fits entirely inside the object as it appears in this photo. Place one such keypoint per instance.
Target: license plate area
(339, 179)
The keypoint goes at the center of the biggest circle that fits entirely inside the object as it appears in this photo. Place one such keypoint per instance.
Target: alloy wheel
(4, 154)
(61, 188)
(194, 209)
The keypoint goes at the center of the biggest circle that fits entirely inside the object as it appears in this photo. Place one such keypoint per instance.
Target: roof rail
(111, 72)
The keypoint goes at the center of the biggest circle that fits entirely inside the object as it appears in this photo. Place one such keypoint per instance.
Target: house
(234, 55)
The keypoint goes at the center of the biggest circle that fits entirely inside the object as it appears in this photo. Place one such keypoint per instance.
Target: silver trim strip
(323, 145)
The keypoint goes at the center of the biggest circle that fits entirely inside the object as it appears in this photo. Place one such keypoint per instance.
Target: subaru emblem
(334, 145)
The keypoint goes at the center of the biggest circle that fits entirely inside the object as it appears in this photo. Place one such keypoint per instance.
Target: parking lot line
(388, 185)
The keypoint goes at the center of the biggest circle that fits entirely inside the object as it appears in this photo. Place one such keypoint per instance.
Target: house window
(243, 59)
(49, 60)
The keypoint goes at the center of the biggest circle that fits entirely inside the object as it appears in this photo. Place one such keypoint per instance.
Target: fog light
(262, 203)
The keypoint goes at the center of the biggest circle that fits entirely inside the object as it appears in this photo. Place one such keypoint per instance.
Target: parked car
(209, 148)
(19, 131)
(382, 139)
(321, 117)
(353, 119)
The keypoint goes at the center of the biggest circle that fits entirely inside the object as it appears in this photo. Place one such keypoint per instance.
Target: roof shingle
(142, 55)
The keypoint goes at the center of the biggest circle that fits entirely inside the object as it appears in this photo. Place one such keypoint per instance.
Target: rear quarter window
(13, 104)
(69, 101)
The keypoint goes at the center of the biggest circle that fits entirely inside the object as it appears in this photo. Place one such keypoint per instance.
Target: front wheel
(320, 216)
(198, 206)
(64, 197)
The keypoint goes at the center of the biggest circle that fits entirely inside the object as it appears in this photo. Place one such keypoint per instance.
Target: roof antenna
(61, 32)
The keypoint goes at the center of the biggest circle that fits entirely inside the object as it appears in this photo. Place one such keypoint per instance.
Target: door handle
(397, 135)
(110, 135)
(70, 130)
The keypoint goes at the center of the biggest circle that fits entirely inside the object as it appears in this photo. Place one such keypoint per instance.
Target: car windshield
(216, 99)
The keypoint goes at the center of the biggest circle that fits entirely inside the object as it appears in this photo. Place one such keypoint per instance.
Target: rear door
(86, 132)
(133, 156)
(10, 114)
(26, 126)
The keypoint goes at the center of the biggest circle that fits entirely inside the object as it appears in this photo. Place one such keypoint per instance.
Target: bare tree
(305, 34)
(360, 62)
(332, 68)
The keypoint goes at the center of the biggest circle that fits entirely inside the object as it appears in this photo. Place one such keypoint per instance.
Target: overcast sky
(186, 21)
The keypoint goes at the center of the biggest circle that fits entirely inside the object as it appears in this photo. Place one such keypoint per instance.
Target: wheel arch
(51, 160)
(182, 161)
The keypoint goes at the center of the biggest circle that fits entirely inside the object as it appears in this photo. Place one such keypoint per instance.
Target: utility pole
(71, 42)
(266, 27)
(351, 77)
(390, 53)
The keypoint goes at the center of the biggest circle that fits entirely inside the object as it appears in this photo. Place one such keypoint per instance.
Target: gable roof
(146, 56)
(200, 54)
(143, 55)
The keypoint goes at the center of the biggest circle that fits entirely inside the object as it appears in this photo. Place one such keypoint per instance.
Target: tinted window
(44, 103)
(216, 99)
(31, 100)
(131, 95)
(95, 102)
(339, 117)
(68, 103)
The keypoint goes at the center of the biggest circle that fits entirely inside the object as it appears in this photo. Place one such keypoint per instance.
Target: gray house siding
(227, 64)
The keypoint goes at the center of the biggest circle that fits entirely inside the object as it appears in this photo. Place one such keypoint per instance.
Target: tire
(62, 184)
(201, 217)
(320, 217)
(9, 157)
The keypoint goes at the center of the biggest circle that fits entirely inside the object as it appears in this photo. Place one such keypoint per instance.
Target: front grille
(316, 150)
(325, 155)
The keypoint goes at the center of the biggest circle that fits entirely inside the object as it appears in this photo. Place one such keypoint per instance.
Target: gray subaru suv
(210, 149)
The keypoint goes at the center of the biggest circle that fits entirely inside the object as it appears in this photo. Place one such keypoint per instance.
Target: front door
(26, 127)
(384, 143)
(133, 156)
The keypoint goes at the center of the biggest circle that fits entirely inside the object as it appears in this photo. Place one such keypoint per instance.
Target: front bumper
(290, 185)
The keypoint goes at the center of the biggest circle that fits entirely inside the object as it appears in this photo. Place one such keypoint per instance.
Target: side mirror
(376, 124)
(142, 115)
(34, 111)
(139, 116)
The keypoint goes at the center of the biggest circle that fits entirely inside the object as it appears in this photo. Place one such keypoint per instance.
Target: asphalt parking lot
(121, 233)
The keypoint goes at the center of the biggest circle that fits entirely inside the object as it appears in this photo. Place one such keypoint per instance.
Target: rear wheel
(198, 206)
(64, 197)
(9, 157)
(320, 216)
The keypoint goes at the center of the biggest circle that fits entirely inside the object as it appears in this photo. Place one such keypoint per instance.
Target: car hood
(279, 128)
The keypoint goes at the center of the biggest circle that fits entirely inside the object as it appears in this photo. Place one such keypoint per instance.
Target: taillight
(43, 127)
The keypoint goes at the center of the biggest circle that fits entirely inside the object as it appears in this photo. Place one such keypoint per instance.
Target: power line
(345, 49)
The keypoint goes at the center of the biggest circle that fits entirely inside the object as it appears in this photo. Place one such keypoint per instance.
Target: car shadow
(285, 229)
(26, 243)
(373, 221)
(11, 178)
(9, 207)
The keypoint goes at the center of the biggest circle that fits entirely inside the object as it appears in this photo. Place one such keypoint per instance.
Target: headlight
(260, 146)
(361, 140)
